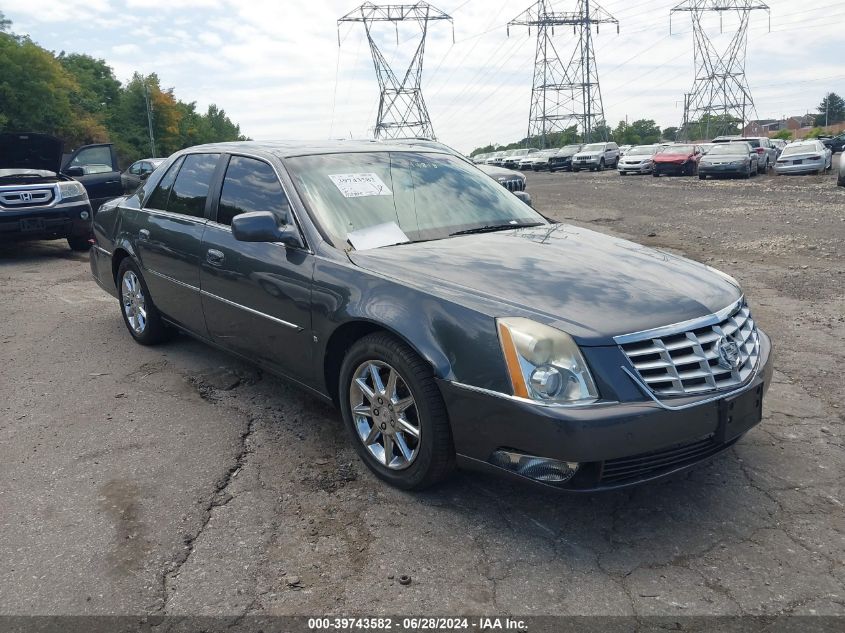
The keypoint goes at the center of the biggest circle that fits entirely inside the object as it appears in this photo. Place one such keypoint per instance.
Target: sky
(276, 68)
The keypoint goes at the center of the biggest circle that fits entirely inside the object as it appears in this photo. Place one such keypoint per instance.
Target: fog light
(83, 215)
(542, 469)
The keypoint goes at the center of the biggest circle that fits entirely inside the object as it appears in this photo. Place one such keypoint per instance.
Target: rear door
(101, 177)
(168, 238)
(256, 296)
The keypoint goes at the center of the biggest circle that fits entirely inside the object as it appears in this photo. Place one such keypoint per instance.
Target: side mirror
(144, 175)
(75, 172)
(263, 226)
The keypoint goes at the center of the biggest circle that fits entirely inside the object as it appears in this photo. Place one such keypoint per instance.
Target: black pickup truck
(46, 194)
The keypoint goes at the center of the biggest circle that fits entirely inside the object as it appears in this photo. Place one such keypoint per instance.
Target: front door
(169, 231)
(256, 296)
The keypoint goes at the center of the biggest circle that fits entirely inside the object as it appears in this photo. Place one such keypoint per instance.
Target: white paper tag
(360, 185)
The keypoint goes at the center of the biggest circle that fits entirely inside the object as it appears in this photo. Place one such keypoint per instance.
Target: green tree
(831, 110)
(785, 135)
(5, 24)
(669, 133)
(99, 90)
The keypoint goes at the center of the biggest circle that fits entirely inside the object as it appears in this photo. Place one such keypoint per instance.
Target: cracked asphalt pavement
(176, 480)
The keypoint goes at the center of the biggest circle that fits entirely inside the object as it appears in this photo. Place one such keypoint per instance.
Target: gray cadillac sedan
(449, 322)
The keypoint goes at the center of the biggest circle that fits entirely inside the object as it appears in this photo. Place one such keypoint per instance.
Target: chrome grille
(689, 362)
(514, 184)
(25, 197)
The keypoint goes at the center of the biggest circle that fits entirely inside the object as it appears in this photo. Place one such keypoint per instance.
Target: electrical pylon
(720, 99)
(402, 112)
(568, 94)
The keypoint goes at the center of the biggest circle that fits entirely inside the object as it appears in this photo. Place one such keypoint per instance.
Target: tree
(99, 90)
(670, 133)
(5, 24)
(785, 135)
(831, 110)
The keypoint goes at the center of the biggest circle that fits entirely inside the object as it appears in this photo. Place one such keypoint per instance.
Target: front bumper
(671, 169)
(638, 168)
(616, 444)
(723, 170)
(45, 223)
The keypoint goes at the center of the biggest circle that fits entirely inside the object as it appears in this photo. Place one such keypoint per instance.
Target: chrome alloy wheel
(385, 414)
(134, 303)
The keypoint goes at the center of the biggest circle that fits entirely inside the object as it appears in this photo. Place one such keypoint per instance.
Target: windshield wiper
(494, 227)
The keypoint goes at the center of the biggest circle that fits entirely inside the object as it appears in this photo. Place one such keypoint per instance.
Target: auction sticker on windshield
(360, 185)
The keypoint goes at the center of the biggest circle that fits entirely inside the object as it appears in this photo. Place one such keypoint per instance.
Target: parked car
(766, 153)
(778, 144)
(538, 161)
(729, 159)
(512, 161)
(835, 143)
(805, 157)
(479, 158)
(492, 158)
(138, 172)
(841, 180)
(502, 157)
(624, 148)
(562, 160)
(676, 160)
(638, 160)
(596, 156)
(428, 324)
(37, 201)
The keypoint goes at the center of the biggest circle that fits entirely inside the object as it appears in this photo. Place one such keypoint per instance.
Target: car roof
(287, 149)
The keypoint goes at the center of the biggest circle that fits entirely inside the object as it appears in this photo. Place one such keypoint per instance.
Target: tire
(79, 244)
(601, 165)
(655, 174)
(747, 175)
(623, 173)
(432, 455)
(702, 177)
(153, 330)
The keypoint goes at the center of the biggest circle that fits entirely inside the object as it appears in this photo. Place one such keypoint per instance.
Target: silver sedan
(804, 157)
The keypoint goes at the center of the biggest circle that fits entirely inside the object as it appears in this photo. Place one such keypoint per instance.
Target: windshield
(677, 149)
(731, 148)
(429, 196)
(595, 147)
(799, 149)
(640, 151)
(569, 150)
(520, 152)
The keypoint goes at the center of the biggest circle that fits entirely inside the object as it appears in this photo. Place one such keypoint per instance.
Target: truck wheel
(395, 413)
(80, 244)
(140, 315)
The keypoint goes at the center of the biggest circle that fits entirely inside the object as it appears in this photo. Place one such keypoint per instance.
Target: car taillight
(814, 157)
(761, 150)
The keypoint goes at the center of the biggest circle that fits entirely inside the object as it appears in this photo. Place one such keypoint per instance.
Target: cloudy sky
(276, 68)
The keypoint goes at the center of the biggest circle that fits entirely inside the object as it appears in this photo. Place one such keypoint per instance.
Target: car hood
(500, 172)
(588, 284)
(666, 157)
(30, 151)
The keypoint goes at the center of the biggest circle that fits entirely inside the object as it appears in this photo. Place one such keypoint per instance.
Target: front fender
(460, 343)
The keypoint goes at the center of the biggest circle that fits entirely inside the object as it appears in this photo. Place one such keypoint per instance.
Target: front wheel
(601, 165)
(702, 177)
(80, 244)
(395, 413)
(655, 174)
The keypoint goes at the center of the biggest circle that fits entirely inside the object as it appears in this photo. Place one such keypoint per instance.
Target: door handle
(214, 257)
(144, 234)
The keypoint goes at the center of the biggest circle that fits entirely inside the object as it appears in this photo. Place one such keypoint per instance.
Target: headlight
(545, 364)
(71, 189)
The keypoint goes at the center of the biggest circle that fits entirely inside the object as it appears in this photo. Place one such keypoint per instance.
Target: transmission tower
(720, 99)
(567, 94)
(401, 110)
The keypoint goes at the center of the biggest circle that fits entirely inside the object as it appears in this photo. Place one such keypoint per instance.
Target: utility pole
(564, 94)
(402, 112)
(720, 92)
(149, 119)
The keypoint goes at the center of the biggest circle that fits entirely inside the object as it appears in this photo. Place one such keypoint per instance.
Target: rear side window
(191, 187)
(251, 185)
(162, 192)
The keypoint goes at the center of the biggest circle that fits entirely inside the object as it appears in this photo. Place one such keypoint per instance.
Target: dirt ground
(175, 480)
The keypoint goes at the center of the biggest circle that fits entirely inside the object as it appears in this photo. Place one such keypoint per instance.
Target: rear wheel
(655, 174)
(80, 244)
(395, 413)
(140, 315)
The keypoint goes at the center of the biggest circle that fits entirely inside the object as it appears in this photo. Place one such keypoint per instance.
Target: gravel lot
(175, 480)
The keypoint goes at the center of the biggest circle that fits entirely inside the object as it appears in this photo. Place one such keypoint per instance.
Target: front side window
(135, 169)
(158, 199)
(251, 185)
(100, 155)
(191, 187)
(429, 196)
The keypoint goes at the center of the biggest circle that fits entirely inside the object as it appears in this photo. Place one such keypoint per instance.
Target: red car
(677, 160)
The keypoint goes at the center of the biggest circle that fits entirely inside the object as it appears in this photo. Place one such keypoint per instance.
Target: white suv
(596, 156)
